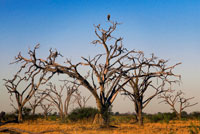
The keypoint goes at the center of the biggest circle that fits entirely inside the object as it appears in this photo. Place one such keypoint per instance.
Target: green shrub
(195, 115)
(156, 117)
(26, 111)
(82, 113)
(168, 116)
(10, 116)
(161, 117)
(53, 117)
(122, 118)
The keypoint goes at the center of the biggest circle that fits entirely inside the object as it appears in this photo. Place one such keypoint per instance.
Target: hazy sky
(168, 28)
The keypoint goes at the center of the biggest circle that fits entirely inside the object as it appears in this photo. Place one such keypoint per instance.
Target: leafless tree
(37, 98)
(80, 99)
(56, 96)
(107, 69)
(25, 83)
(153, 75)
(173, 99)
(47, 108)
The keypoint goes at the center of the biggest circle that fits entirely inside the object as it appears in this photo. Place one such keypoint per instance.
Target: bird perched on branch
(108, 17)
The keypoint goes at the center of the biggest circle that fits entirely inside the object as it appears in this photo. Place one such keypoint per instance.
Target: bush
(168, 116)
(82, 113)
(53, 117)
(10, 116)
(32, 117)
(122, 119)
(161, 117)
(26, 111)
(195, 115)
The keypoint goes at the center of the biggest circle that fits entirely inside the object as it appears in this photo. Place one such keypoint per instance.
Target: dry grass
(173, 127)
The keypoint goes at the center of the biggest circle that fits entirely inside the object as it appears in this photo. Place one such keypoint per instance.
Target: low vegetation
(79, 121)
(80, 114)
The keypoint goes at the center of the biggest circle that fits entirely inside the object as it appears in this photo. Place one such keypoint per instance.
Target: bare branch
(172, 99)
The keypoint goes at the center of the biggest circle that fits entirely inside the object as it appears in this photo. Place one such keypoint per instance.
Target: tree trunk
(102, 119)
(45, 115)
(62, 116)
(98, 119)
(20, 119)
(140, 117)
(33, 112)
(104, 115)
(179, 116)
(138, 111)
(66, 106)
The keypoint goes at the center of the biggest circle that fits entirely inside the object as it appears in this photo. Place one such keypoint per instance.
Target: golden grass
(173, 127)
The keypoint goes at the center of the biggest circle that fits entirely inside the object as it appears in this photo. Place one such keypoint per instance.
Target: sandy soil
(173, 127)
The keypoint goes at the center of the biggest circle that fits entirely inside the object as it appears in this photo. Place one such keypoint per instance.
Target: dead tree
(152, 75)
(107, 69)
(25, 83)
(173, 99)
(80, 99)
(56, 96)
(36, 100)
(47, 108)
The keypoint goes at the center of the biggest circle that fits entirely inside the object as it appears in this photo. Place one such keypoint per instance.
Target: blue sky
(168, 28)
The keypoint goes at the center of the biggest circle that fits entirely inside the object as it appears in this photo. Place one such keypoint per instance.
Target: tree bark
(66, 105)
(138, 110)
(179, 116)
(33, 112)
(104, 115)
(140, 117)
(20, 119)
(62, 115)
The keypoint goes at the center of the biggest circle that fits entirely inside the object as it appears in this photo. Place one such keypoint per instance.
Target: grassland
(173, 127)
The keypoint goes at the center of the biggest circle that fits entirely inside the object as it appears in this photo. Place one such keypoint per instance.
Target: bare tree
(47, 108)
(25, 83)
(173, 98)
(107, 69)
(153, 75)
(56, 96)
(36, 100)
(80, 99)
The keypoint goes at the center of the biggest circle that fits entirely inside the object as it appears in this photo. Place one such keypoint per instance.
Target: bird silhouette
(108, 17)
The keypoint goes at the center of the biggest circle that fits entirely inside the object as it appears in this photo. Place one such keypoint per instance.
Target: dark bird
(108, 17)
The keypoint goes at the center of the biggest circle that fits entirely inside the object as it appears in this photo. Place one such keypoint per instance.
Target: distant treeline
(87, 114)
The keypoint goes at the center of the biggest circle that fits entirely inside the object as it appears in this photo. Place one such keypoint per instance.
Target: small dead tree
(152, 75)
(80, 99)
(47, 108)
(25, 83)
(173, 99)
(36, 100)
(56, 96)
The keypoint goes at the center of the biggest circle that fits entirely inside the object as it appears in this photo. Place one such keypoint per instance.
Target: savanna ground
(84, 127)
